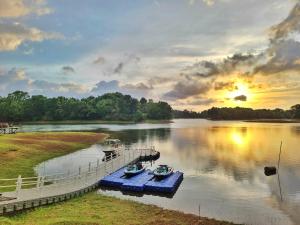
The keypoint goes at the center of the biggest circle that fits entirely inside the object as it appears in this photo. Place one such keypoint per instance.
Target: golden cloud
(13, 35)
(18, 8)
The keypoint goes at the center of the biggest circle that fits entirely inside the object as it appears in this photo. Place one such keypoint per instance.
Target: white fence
(90, 174)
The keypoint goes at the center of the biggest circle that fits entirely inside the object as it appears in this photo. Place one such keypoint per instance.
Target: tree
(296, 111)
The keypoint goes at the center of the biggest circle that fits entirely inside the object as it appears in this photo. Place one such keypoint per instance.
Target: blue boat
(163, 171)
(134, 169)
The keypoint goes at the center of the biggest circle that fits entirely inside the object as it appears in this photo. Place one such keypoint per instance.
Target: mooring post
(90, 166)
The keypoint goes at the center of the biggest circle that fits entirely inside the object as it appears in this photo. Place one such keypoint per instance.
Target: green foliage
(186, 114)
(295, 111)
(19, 106)
(239, 113)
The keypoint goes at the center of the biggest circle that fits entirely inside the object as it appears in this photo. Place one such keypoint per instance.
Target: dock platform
(167, 185)
(142, 182)
(137, 183)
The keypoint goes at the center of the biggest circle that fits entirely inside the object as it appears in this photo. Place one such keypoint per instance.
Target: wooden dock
(54, 188)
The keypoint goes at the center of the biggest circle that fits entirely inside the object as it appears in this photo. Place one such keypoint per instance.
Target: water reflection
(223, 164)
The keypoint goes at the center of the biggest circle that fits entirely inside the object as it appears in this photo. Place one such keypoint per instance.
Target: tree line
(239, 113)
(19, 106)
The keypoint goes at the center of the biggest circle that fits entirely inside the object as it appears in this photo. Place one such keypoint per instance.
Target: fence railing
(93, 171)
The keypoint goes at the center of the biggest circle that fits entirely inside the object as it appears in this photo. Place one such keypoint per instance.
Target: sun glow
(237, 138)
(241, 89)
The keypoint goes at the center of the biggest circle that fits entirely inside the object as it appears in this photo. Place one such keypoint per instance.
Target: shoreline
(78, 122)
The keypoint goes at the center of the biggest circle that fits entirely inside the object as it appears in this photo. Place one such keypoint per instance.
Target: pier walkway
(31, 192)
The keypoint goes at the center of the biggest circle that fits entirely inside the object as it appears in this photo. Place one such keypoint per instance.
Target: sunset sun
(241, 93)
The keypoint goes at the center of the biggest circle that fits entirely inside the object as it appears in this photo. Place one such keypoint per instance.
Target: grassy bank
(98, 209)
(70, 122)
(19, 153)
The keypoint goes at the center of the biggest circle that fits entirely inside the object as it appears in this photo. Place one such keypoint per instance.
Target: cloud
(185, 89)
(13, 35)
(242, 98)
(100, 60)
(238, 63)
(137, 90)
(284, 57)
(287, 26)
(119, 68)
(128, 59)
(17, 79)
(230, 85)
(18, 8)
(138, 86)
(55, 89)
(207, 2)
(202, 101)
(67, 70)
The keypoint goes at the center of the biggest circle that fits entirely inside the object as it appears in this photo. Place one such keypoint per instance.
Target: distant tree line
(20, 106)
(186, 114)
(239, 113)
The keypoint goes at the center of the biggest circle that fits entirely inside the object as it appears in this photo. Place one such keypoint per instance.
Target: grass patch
(103, 210)
(19, 153)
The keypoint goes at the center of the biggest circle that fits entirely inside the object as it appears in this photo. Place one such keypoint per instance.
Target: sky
(194, 54)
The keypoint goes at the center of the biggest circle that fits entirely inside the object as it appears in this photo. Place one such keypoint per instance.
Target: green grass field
(97, 209)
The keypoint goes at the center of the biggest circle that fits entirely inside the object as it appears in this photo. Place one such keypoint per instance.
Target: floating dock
(142, 182)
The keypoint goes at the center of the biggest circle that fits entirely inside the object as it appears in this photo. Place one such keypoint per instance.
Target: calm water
(222, 164)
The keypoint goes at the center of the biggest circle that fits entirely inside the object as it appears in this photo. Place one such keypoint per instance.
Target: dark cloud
(237, 63)
(100, 60)
(119, 68)
(201, 102)
(283, 54)
(128, 59)
(287, 26)
(67, 70)
(241, 98)
(230, 85)
(187, 89)
(284, 57)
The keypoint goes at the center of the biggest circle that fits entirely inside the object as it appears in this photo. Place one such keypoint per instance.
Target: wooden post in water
(278, 165)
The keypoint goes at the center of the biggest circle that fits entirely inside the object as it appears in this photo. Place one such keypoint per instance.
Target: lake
(223, 165)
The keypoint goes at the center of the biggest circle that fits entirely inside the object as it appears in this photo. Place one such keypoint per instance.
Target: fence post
(112, 163)
(42, 181)
(38, 182)
(90, 166)
(19, 185)
(79, 172)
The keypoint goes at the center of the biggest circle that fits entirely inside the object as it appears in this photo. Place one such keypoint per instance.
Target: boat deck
(142, 182)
